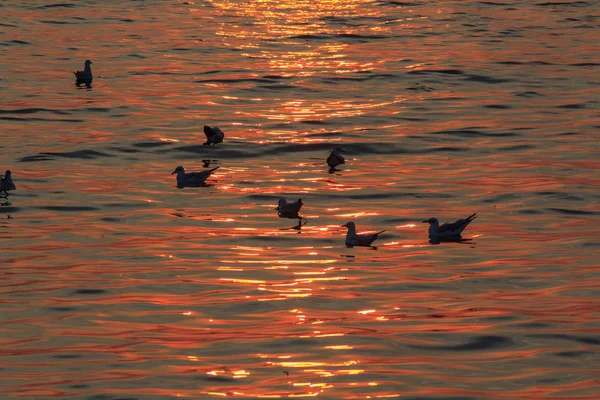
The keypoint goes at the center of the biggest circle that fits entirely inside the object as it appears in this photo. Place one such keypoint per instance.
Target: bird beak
(426, 221)
(176, 171)
(345, 225)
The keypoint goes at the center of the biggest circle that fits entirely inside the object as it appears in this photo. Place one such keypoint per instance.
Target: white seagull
(335, 158)
(85, 76)
(191, 178)
(364, 239)
(448, 229)
(6, 183)
(213, 134)
(289, 210)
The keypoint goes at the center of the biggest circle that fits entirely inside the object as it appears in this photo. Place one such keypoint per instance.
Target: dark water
(117, 285)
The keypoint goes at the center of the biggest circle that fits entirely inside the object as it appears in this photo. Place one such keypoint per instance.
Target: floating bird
(289, 210)
(6, 184)
(365, 239)
(335, 159)
(84, 76)
(448, 229)
(213, 134)
(191, 178)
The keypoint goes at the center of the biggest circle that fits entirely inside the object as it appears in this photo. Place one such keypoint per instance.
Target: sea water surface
(115, 284)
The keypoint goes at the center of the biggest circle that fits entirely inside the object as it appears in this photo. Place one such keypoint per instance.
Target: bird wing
(217, 131)
(458, 224)
(201, 174)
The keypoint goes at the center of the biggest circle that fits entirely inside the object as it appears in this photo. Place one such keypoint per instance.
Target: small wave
(498, 106)
(62, 309)
(42, 119)
(436, 71)
(501, 197)
(235, 80)
(474, 133)
(110, 219)
(82, 154)
(126, 205)
(33, 111)
(563, 3)
(529, 212)
(18, 42)
(572, 106)
(58, 5)
(57, 22)
(487, 79)
(97, 109)
(399, 3)
(146, 145)
(574, 354)
(527, 94)
(279, 87)
(66, 356)
(90, 291)
(575, 338)
(517, 147)
(473, 344)
(560, 195)
(68, 208)
(261, 197)
(493, 3)
(366, 76)
(573, 212)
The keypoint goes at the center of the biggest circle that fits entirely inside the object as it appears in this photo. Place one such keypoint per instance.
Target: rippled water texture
(115, 284)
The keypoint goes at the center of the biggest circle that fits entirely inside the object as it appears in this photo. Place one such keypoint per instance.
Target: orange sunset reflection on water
(118, 284)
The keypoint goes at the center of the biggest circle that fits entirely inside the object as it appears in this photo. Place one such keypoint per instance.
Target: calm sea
(115, 284)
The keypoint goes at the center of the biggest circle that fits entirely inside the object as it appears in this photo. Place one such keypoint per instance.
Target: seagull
(214, 135)
(365, 239)
(448, 229)
(84, 76)
(335, 158)
(191, 178)
(6, 183)
(289, 210)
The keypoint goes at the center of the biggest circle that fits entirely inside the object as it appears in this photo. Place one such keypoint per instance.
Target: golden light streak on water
(119, 272)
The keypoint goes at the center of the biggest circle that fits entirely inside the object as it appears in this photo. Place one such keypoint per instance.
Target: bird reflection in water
(301, 222)
(459, 239)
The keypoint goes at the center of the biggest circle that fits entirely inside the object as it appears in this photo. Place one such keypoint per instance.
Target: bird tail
(471, 217)
(213, 170)
(378, 233)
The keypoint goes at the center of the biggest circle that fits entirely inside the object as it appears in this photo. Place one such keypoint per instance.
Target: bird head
(431, 221)
(87, 62)
(177, 170)
(281, 202)
(349, 224)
